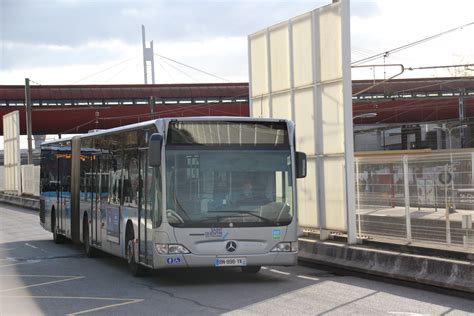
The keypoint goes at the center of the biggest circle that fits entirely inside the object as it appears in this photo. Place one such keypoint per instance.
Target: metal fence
(425, 198)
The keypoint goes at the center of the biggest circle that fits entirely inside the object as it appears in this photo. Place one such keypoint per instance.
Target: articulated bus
(169, 193)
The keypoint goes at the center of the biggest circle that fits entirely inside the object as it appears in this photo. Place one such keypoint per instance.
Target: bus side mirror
(154, 150)
(300, 164)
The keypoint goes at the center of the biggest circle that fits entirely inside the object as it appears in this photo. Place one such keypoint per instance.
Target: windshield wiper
(267, 220)
(216, 218)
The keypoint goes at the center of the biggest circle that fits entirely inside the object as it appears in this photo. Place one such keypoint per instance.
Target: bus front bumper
(193, 260)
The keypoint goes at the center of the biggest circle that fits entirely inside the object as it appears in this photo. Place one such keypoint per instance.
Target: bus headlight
(282, 247)
(164, 249)
(175, 249)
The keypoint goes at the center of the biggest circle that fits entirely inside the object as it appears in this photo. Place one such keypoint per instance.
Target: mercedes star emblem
(231, 246)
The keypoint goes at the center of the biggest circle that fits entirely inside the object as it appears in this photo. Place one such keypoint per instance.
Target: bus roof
(169, 119)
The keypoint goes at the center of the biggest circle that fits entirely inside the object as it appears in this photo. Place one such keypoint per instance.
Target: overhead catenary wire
(32, 81)
(166, 70)
(403, 47)
(465, 66)
(193, 68)
(190, 108)
(118, 73)
(105, 69)
(179, 70)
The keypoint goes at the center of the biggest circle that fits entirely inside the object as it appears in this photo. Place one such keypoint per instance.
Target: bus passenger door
(142, 211)
(64, 193)
(95, 197)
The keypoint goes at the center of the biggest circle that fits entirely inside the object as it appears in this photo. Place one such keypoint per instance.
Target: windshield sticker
(276, 233)
(173, 260)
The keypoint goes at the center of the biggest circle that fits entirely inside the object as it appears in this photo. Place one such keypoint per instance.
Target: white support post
(407, 198)
(472, 168)
(448, 224)
(359, 226)
(348, 121)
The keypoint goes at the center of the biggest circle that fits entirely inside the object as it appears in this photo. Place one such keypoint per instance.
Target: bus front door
(144, 215)
(95, 197)
(64, 194)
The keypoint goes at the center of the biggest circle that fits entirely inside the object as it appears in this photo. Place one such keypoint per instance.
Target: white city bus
(187, 192)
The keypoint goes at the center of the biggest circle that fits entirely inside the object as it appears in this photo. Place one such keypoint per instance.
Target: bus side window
(115, 172)
(153, 195)
(130, 178)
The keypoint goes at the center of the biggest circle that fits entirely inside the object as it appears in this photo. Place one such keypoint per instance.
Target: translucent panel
(333, 118)
(280, 60)
(304, 119)
(307, 199)
(281, 104)
(316, 38)
(302, 51)
(330, 50)
(334, 188)
(11, 132)
(260, 107)
(259, 69)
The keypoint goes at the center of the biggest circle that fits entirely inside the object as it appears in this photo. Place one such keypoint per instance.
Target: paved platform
(21, 201)
(455, 274)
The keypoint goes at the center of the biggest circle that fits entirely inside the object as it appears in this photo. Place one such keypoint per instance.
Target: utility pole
(152, 107)
(148, 55)
(461, 114)
(28, 119)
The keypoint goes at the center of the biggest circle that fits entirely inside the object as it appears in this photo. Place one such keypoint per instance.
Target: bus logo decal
(276, 233)
(231, 246)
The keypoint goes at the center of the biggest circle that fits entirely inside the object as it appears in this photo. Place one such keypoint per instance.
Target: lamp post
(448, 226)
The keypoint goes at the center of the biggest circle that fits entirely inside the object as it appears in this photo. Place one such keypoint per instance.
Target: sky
(99, 42)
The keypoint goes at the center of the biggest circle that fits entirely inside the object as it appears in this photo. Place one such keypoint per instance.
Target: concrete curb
(22, 201)
(441, 272)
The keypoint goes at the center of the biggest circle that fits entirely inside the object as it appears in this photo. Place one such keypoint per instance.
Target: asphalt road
(40, 277)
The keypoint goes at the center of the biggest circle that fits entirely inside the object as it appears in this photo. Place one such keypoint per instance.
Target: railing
(418, 199)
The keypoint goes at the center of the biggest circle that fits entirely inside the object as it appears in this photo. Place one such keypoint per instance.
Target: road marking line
(264, 268)
(40, 276)
(34, 247)
(76, 297)
(278, 271)
(106, 307)
(126, 301)
(15, 264)
(39, 284)
(307, 277)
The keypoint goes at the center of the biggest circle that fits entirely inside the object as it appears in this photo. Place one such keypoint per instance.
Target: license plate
(231, 262)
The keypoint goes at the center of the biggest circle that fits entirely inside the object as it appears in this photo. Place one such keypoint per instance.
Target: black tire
(251, 269)
(56, 236)
(88, 249)
(137, 269)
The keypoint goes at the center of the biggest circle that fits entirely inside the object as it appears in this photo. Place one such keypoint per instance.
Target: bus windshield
(228, 173)
(228, 187)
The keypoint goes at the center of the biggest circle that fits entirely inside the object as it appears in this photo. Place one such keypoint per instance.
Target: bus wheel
(56, 237)
(251, 269)
(137, 269)
(88, 249)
